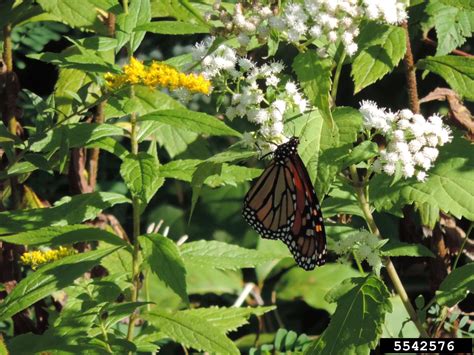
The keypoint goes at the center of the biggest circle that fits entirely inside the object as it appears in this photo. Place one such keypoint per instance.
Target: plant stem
(463, 245)
(392, 272)
(105, 335)
(135, 205)
(359, 265)
(410, 73)
(337, 75)
(136, 226)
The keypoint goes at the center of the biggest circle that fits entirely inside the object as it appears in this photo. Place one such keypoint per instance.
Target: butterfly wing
(268, 206)
(306, 238)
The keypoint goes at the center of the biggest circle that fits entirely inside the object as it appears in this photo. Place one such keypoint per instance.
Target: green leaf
(398, 323)
(396, 248)
(50, 278)
(382, 47)
(98, 43)
(68, 210)
(172, 28)
(118, 262)
(214, 254)
(79, 14)
(77, 135)
(314, 75)
(462, 4)
(312, 286)
(164, 259)
(335, 205)
(55, 236)
(362, 152)
(357, 323)
(70, 81)
(203, 171)
(145, 101)
(203, 280)
(453, 24)
(227, 319)
(192, 332)
(450, 178)
(323, 148)
(456, 70)
(118, 311)
(87, 61)
(109, 145)
(456, 286)
(140, 173)
(229, 175)
(193, 121)
(139, 14)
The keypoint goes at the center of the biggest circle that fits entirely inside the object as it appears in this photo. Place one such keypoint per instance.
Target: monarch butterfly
(282, 205)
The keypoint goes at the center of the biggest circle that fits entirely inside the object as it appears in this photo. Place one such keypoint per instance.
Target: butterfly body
(282, 205)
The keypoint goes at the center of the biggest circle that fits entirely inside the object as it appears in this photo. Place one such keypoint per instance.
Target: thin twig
(462, 246)
(454, 51)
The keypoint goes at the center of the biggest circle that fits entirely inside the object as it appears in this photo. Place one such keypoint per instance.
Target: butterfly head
(287, 149)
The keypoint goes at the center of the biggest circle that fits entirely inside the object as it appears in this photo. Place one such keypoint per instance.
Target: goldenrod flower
(158, 75)
(37, 258)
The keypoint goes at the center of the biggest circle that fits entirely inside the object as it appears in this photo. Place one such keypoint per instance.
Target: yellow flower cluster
(37, 258)
(158, 74)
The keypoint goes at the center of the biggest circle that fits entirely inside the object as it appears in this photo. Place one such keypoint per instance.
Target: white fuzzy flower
(291, 88)
(266, 12)
(389, 169)
(432, 140)
(430, 153)
(403, 123)
(408, 170)
(399, 135)
(276, 128)
(351, 49)
(245, 64)
(415, 145)
(436, 120)
(272, 80)
(276, 67)
(405, 114)
(302, 104)
(445, 136)
(315, 31)
(392, 157)
(280, 105)
(418, 129)
(421, 176)
(347, 38)
(332, 36)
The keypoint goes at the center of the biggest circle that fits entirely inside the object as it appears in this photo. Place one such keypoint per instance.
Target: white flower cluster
(365, 246)
(245, 21)
(334, 20)
(257, 92)
(412, 140)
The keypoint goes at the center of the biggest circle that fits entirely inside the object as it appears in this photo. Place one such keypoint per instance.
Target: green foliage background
(184, 189)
